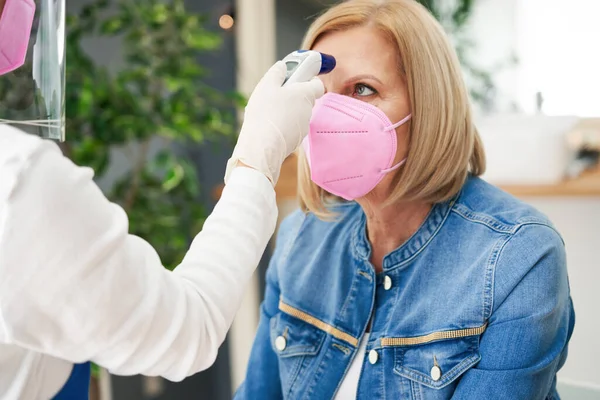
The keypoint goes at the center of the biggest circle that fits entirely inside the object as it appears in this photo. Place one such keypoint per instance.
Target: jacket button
(436, 373)
(373, 356)
(280, 343)
(387, 282)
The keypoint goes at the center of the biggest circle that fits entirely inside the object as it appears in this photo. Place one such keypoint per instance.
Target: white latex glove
(276, 121)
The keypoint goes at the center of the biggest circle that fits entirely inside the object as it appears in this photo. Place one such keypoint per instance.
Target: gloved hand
(276, 120)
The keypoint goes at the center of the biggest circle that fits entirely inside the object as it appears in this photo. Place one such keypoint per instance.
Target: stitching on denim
(391, 313)
(295, 375)
(483, 219)
(358, 229)
(424, 246)
(458, 370)
(349, 298)
(337, 388)
(316, 376)
(517, 229)
(416, 390)
(381, 371)
(361, 377)
(490, 276)
(317, 355)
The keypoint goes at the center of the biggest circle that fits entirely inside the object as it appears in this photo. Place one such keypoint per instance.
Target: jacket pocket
(296, 345)
(432, 370)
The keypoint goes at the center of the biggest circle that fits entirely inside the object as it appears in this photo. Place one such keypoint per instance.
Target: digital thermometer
(303, 65)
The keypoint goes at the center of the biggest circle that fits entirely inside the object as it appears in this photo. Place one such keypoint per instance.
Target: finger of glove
(311, 90)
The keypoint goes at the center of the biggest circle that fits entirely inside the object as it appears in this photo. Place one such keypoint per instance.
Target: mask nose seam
(339, 109)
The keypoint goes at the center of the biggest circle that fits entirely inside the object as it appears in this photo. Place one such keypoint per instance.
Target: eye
(362, 90)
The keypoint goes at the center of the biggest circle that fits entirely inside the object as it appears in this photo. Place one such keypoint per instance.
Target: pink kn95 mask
(351, 145)
(15, 30)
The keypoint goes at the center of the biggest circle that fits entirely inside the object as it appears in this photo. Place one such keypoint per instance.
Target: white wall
(556, 47)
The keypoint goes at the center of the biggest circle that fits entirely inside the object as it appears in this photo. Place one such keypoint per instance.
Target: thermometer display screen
(291, 65)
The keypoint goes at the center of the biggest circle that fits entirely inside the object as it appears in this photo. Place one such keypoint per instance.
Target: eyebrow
(357, 78)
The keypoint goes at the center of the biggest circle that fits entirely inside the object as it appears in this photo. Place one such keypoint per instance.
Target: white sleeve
(74, 284)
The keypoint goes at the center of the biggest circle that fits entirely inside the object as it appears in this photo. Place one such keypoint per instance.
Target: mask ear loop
(395, 167)
(389, 128)
(402, 122)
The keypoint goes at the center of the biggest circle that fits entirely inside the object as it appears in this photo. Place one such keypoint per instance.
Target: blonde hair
(444, 143)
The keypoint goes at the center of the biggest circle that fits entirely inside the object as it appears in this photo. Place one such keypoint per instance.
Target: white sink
(525, 149)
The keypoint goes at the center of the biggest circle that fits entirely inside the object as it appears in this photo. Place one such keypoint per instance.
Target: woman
(405, 276)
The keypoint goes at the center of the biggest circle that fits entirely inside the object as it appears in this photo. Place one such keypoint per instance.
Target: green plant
(158, 93)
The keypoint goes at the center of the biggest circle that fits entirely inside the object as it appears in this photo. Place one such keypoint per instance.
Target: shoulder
(299, 222)
(482, 203)
(527, 244)
(14, 141)
(17, 150)
(33, 168)
(305, 232)
(534, 255)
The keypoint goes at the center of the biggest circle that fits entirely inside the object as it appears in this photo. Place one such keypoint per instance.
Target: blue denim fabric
(479, 291)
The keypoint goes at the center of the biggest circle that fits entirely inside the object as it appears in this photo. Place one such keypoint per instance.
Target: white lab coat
(76, 286)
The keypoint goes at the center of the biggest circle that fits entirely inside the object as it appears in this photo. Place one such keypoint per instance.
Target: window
(558, 47)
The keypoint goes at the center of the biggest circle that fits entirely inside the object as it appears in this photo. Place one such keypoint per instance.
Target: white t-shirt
(349, 386)
(75, 286)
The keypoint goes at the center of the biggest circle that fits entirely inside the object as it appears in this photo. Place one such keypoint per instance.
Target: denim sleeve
(262, 375)
(531, 320)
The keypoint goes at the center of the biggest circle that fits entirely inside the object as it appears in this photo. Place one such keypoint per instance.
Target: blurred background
(532, 70)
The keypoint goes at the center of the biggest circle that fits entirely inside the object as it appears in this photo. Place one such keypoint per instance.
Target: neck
(2, 2)
(388, 228)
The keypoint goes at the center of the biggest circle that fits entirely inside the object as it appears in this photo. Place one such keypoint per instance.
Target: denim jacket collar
(415, 244)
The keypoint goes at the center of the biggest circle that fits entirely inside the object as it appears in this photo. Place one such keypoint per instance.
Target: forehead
(360, 50)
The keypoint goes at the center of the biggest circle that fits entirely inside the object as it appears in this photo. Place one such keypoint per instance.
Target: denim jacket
(475, 305)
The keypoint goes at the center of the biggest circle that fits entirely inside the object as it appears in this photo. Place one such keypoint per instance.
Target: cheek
(396, 108)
